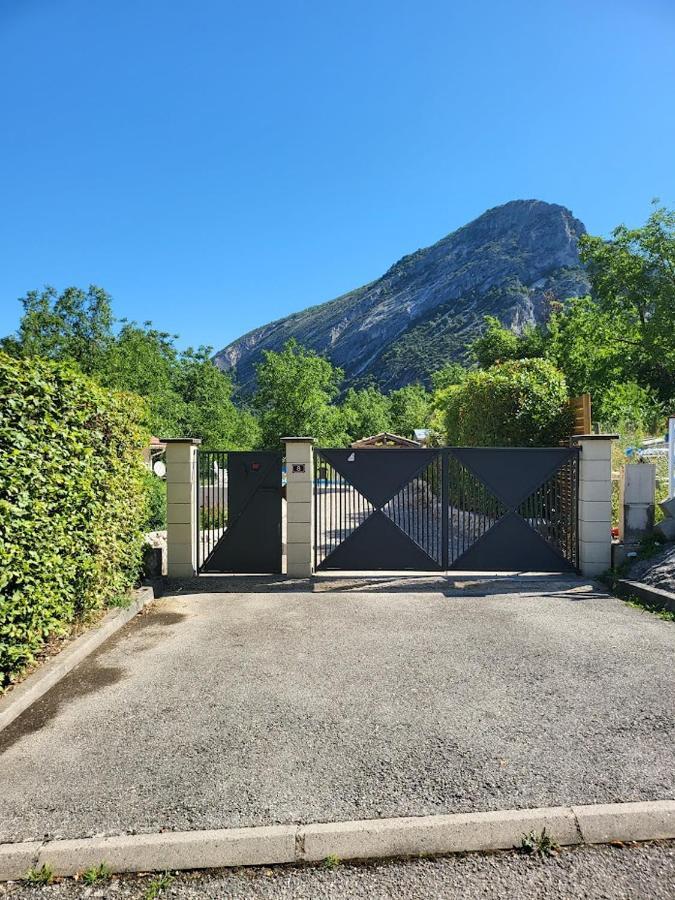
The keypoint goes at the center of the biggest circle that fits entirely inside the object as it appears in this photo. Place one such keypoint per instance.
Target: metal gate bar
(211, 501)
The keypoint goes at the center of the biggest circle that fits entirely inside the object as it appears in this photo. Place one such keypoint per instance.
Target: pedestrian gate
(470, 508)
(238, 511)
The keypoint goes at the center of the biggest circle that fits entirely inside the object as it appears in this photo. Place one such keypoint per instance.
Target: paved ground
(634, 872)
(230, 709)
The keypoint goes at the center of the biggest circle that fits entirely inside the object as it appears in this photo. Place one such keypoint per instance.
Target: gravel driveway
(623, 873)
(217, 710)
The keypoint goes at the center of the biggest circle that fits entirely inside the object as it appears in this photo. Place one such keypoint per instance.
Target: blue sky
(215, 165)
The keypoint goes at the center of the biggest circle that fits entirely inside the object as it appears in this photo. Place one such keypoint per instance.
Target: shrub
(72, 502)
(156, 492)
(518, 403)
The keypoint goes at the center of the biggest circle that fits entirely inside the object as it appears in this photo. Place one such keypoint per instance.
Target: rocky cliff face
(430, 304)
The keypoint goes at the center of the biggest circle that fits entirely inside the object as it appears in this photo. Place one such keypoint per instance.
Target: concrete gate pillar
(299, 506)
(595, 503)
(181, 506)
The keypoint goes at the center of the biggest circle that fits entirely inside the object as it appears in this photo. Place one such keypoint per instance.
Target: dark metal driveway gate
(239, 511)
(471, 508)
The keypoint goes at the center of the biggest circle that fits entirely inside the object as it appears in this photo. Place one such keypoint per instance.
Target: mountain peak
(429, 305)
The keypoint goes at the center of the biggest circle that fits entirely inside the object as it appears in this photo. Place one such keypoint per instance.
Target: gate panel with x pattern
(471, 508)
(370, 513)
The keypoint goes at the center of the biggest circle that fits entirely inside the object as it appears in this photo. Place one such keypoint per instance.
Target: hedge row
(72, 502)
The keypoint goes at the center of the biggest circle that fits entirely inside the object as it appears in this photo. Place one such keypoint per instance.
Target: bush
(156, 492)
(72, 502)
(519, 403)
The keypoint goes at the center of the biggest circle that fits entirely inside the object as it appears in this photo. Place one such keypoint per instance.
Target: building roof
(383, 440)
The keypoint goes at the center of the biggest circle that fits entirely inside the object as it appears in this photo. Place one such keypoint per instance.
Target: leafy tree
(582, 342)
(186, 393)
(209, 412)
(515, 403)
(144, 360)
(366, 412)
(451, 374)
(628, 406)
(633, 282)
(295, 392)
(74, 326)
(498, 343)
(410, 409)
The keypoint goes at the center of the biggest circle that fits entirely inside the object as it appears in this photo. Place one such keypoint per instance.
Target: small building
(384, 441)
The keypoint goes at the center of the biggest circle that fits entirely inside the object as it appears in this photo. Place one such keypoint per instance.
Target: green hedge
(520, 403)
(72, 502)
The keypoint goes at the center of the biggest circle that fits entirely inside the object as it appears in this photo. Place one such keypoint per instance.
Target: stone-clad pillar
(299, 506)
(595, 503)
(181, 506)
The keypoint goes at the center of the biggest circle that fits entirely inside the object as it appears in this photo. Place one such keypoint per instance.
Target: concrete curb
(653, 596)
(406, 836)
(45, 677)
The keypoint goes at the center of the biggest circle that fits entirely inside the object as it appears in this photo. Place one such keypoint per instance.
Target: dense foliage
(295, 397)
(72, 502)
(366, 412)
(410, 409)
(516, 403)
(185, 392)
(633, 283)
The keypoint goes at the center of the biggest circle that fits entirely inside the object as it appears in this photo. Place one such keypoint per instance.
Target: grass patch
(43, 875)
(158, 885)
(666, 614)
(101, 872)
(332, 861)
(540, 844)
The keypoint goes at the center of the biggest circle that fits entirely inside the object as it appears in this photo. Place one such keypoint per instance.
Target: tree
(366, 412)
(410, 409)
(145, 361)
(74, 326)
(209, 411)
(516, 403)
(295, 392)
(583, 341)
(627, 405)
(451, 374)
(633, 283)
(497, 343)
(186, 393)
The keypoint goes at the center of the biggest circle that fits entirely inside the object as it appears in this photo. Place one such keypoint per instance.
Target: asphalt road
(636, 872)
(218, 710)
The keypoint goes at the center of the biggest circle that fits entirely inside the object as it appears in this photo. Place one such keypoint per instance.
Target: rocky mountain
(425, 310)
